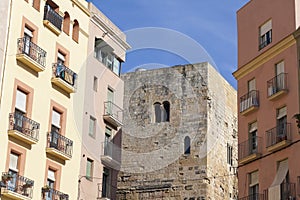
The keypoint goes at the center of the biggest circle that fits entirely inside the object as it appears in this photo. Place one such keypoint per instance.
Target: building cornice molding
(264, 57)
(82, 7)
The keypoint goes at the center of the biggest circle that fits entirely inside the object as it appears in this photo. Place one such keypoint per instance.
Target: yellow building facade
(40, 139)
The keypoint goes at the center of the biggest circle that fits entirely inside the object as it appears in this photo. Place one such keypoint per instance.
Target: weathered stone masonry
(202, 107)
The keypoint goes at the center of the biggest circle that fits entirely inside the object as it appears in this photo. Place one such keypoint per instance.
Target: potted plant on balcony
(6, 177)
(28, 184)
(297, 117)
(46, 188)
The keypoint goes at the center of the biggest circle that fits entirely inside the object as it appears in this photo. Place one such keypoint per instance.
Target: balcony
(277, 86)
(50, 193)
(278, 137)
(23, 128)
(110, 155)
(253, 197)
(288, 191)
(113, 114)
(249, 102)
(250, 150)
(16, 187)
(52, 20)
(59, 146)
(64, 78)
(31, 55)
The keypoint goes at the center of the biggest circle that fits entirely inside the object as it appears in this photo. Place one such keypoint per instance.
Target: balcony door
(253, 186)
(253, 138)
(28, 35)
(51, 184)
(110, 99)
(12, 184)
(279, 69)
(55, 129)
(281, 124)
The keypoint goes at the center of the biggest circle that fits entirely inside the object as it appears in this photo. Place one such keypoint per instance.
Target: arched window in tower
(66, 23)
(157, 110)
(187, 145)
(75, 34)
(165, 111)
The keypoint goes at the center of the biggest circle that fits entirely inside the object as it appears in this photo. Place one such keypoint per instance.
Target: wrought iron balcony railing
(278, 134)
(249, 147)
(24, 125)
(12, 182)
(36, 53)
(60, 143)
(277, 84)
(114, 112)
(50, 193)
(288, 191)
(53, 17)
(255, 196)
(65, 74)
(248, 100)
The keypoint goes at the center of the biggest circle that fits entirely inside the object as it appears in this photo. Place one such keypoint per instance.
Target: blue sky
(210, 23)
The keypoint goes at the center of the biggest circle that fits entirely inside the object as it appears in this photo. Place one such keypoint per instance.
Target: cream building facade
(103, 108)
(40, 139)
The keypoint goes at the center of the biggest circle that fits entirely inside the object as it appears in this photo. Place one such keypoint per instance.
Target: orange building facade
(268, 98)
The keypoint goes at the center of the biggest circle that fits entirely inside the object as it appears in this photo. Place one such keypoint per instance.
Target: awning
(274, 189)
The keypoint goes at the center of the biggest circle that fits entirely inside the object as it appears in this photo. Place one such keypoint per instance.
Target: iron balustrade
(113, 110)
(111, 150)
(60, 143)
(65, 74)
(248, 100)
(24, 125)
(50, 193)
(53, 17)
(277, 84)
(255, 196)
(18, 184)
(251, 146)
(36, 53)
(278, 134)
(288, 190)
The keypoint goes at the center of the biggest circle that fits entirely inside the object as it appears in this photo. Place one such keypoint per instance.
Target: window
(106, 182)
(36, 4)
(253, 138)
(281, 124)
(253, 185)
(110, 100)
(107, 146)
(75, 33)
(251, 85)
(28, 35)
(89, 169)
(265, 34)
(92, 127)
(187, 145)
(21, 102)
(162, 112)
(95, 84)
(56, 121)
(14, 160)
(61, 58)
(104, 53)
(66, 23)
(50, 183)
(280, 77)
(229, 154)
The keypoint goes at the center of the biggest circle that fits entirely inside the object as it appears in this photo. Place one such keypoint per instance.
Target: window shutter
(265, 27)
(253, 178)
(28, 32)
(251, 85)
(56, 118)
(280, 68)
(21, 100)
(51, 175)
(253, 127)
(281, 113)
(13, 162)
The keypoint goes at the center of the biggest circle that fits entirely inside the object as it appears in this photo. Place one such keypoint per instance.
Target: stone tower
(179, 135)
